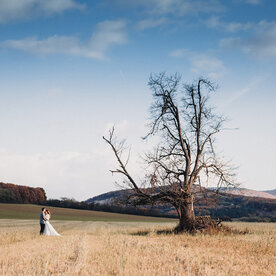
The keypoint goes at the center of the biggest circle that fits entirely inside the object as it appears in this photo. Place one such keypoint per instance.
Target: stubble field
(133, 248)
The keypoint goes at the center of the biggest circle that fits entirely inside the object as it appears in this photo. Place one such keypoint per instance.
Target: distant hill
(251, 193)
(109, 198)
(120, 195)
(12, 193)
(272, 192)
(243, 204)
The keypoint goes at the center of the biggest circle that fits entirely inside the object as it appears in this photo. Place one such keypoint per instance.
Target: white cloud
(261, 44)
(157, 13)
(212, 66)
(253, 2)
(106, 35)
(216, 23)
(180, 53)
(151, 23)
(25, 9)
(174, 7)
(201, 63)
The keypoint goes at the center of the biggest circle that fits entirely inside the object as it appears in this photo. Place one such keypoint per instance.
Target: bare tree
(185, 156)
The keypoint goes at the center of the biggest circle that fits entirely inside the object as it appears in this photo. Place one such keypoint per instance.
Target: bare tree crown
(187, 125)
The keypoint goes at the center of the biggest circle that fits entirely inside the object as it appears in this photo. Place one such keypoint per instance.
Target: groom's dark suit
(42, 223)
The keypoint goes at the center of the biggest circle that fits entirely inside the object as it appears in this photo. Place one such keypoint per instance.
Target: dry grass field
(133, 248)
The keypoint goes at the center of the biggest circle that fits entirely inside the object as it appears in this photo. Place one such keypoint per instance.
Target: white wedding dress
(49, 229)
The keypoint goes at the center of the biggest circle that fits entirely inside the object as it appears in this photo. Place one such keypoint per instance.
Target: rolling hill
(111, 197)
(29, 211)
(243, 204)
(252, 193)
(272, 192)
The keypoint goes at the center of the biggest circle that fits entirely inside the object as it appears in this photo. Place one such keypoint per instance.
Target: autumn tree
(185, 157)
(21, 194)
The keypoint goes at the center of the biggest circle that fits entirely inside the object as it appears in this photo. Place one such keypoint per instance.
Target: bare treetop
(187, 126)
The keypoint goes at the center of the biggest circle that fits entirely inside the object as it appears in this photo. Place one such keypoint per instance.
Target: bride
(49, 229)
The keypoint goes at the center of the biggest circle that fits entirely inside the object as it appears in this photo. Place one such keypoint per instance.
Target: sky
(71, 69)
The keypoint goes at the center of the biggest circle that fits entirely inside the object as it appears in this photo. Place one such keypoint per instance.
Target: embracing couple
(45, 226)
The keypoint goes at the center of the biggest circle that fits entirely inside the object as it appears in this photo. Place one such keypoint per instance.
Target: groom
(42, 221)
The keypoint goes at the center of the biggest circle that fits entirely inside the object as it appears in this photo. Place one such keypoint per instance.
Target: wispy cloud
(25, 9)
(106, 35)
(201, 63)
(253, 2)
(151, 23)
(174, 7)
(257, 81)
(216, 23)
(157, 13)
(261, 44)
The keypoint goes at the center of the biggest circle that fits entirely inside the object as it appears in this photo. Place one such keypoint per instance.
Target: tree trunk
(186, 216)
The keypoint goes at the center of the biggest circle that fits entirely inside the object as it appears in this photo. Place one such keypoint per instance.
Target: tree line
(12, 193)
(227, 208)
(112, 208)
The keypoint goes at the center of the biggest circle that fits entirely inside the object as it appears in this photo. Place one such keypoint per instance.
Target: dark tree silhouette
(185, 157)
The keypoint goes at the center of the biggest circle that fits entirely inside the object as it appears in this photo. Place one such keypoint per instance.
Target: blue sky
(70, 69)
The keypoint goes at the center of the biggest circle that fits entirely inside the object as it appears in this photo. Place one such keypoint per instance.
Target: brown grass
(121, 248)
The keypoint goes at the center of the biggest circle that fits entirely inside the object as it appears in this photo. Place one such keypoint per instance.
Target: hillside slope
(227, 205)
(29, 211)
(252, 193)
(272, 192)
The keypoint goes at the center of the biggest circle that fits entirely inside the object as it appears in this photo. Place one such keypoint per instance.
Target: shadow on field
(140, 233)
(165, 232)
(221, 230)
(157, 232)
